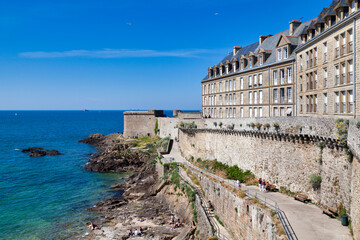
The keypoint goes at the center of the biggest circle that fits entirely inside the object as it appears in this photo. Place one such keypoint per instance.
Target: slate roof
(269, 45)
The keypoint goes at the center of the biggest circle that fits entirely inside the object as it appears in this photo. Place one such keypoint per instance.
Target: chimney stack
(236, 49)
(262, 38)
(294, 24)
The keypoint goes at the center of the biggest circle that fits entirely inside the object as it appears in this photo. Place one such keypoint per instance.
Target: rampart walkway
(307, 220)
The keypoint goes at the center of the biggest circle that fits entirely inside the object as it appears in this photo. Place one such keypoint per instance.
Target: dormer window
(250, 62)
(346, 12)
(353, 6)
(260, 60)
(242, 64)
(285, 53)
(279, 54)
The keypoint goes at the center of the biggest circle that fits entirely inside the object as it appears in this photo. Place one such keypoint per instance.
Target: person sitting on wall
(177, 224)
(260, 184)
(131, 233)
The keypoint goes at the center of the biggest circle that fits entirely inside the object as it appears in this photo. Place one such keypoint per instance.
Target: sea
(47, 197)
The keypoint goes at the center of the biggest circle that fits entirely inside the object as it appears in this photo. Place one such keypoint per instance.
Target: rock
(26, 150)
(37, 153)
(53, 153)
(40, 152)
(94, 139)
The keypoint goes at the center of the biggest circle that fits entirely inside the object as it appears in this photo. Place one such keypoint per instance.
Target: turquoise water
(47, 197)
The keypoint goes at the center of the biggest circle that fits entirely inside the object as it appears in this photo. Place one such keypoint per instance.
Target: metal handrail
(272, 204)
(216, 229)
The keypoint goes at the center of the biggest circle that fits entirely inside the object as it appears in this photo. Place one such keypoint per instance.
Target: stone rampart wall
(245, 219)
(296, 125)
(281, 161)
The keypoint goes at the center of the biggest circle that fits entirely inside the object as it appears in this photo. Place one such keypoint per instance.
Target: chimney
(294, 24)
(262, 39)
(235, 50)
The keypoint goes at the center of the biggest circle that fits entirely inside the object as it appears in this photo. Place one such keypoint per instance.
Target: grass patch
(218, 219)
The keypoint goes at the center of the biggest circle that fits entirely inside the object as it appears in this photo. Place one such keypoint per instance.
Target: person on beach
(260, 184)
(131, 233)
(92, 226)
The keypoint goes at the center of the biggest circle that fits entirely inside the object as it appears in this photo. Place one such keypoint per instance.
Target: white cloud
(117, 53)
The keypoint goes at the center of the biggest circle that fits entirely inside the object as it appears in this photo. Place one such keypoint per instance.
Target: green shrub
(342, 130)
(321, 144)
(215, 124)
(156, 130)
(276, 125)
(315, 181)
(357, 124)
(218, 219)
(220, 124)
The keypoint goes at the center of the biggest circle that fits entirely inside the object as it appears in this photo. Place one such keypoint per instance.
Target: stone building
(254, 81)
(307, 70)
(326, 62)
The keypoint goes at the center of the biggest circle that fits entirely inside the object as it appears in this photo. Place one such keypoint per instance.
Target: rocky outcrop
(40, 152)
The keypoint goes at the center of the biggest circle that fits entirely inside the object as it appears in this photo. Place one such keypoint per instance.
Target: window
(250, 62)
(285, 53)
(204, 100)
(351, 41)
(234, 112)
(227, 113)
(215, 100)
(230, 99)
(325, 78)
(276, 112)
(255, 97)
(230, 85)
(260, 112)
(307, 60)
(255, 80)
(214, 87)
(255, 112)
(337, 100)
(242, 112)
(316, 80)
(250, 81)
(301, 62)
(275, 95)
(351, 101)
(234, 85)
(282, 76)
(260, 60)
(227, 85)
(250, 98)
(209, 88)
(279, 54)
(343, 75)
(289, 94)
(325, 103)
(234, 98)
(275, 78)
(204, 89)
(351, 72)
(241, 83)
(220, 113)
(316, 56)
(250, 112)
(282, 111)
(282, 95)
(226, 99)
(220, 86)
(241, 98)
(260, 80)
(289, 75)
(231, 112)
(337, 48)
(260, 96)
(343, 101)
(301, 104)
(215, 112)
(325, 49)
(343, 48)
(337, 75)
(221, 100)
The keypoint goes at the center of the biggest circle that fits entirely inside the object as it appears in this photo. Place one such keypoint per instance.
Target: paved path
(307, 220)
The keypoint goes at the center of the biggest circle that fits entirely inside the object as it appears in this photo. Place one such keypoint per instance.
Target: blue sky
(115, 54)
